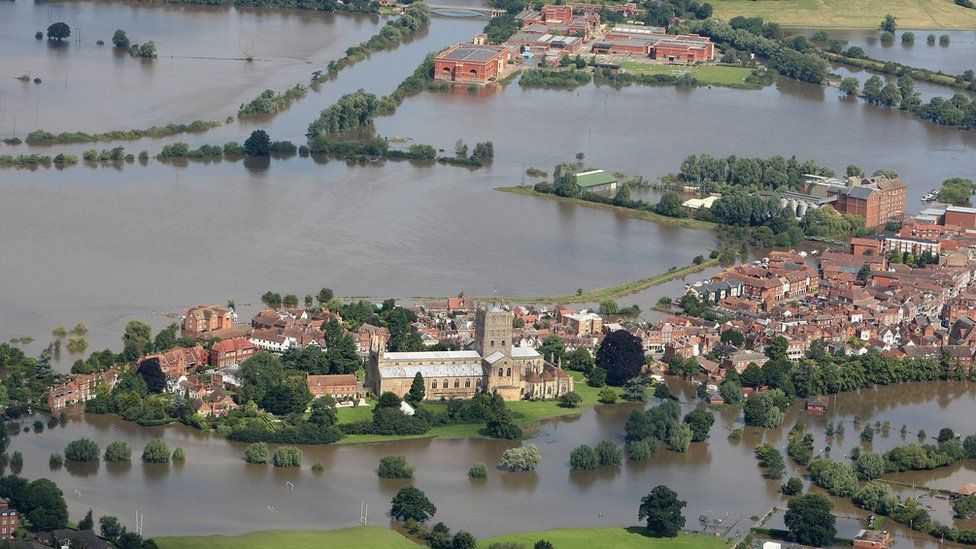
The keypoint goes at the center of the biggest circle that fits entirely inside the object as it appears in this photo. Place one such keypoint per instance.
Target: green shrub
(257, 453)
(118, 451)
(394, 467)
(287, 456)
(156, 451)
(82, 449)
(478, 470)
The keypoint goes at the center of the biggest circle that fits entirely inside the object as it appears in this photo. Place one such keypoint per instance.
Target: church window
(501, 372)
(548, 390)
(493, 343)
(467, 383)
(457, 383)
(508, 373)
(503, 343)
(433, 384)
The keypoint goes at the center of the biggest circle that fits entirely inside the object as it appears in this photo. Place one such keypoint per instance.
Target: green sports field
(723, 75)
(911, 14)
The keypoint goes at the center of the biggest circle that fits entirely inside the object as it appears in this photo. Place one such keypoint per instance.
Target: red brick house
(339, 386)
(229, 352)
(80, 390)
(9, 520)
(206, 318)
(178, 361)
(470, 63)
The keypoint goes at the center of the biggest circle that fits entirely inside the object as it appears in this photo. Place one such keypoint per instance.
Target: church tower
(493, 331)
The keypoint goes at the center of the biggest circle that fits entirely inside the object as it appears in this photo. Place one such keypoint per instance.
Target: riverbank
(852, 14)
(375, 536)
(684, 222)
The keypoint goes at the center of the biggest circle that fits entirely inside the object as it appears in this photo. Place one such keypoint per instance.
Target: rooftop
(470, 52)
(438, 370)
(594, 178)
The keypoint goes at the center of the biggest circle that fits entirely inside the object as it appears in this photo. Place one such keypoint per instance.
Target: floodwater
(106, 245)
(955, 58)
(216, 492)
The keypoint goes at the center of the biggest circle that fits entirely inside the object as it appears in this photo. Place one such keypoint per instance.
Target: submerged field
(911, 14)
(618, 537)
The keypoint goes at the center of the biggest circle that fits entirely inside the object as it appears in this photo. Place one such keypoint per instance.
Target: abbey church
(494, 365)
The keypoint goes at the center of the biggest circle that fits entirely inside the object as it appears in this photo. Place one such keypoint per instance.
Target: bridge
(480, 10)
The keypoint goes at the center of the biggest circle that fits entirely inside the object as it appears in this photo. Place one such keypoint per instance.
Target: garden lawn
(530, 412)
(911, 14)
(362, 537)
(724, 75)
(616, 537)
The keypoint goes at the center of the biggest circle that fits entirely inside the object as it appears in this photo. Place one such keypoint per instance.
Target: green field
(911, 14)
(722, 75)
(617, 538)
(364, 537)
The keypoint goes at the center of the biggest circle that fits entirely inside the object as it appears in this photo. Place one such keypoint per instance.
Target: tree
(137, 334)
(88, 522)
(609, 307)
(543, 544)
(156, 451)
(44, 505)
(889, 24)
(607, 453)
(324, 296)
(552, 348)
(965, 507)
(110, 528)
(179, 455)
(147, 50)
(670, 205)
(153, 375)
(583, 458)
(597, 377)
(120, 40)
(257, 453)
(579, 360)
(82, 449)
(792, 487)
(388, 400)
(680, 438)
(607, 396)
(869, 466)
(258, 144)
(733, 337)
(478, 470)
(118, 451)
(525, 458)
(642, 450)
(701, 422)
(621, 355)
(394, 467)
(410, 503)
(417, 389)
(662, 510)
(570, 400)
(58, 31)
(809, 520)
(287, 456)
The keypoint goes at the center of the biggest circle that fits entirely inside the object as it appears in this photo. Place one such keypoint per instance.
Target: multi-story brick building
(206, 318)
(876, 200)
(471, 63)
(230, 352)
(9, 520)
(339, 386)
(81, 389)
(178, 361)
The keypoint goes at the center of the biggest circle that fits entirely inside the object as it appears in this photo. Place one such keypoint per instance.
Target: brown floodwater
(216, 492)
(105, 245)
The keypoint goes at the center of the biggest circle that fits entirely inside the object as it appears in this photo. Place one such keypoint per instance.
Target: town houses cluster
(550, 34)
(905, 292)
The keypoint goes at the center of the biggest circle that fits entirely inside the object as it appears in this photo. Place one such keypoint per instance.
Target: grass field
(597, 538)
(363, 537)
(723, 75)
(911, 14)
